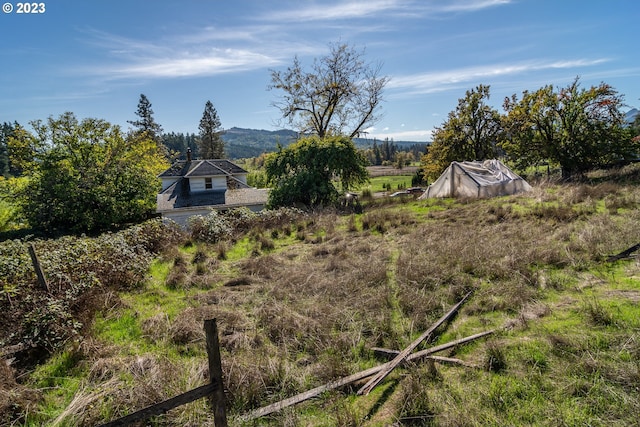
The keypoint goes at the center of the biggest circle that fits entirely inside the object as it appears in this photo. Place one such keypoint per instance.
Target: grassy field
(300, 304)
(377, 184)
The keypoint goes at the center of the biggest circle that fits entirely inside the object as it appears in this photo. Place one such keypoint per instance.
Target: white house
(195, 187)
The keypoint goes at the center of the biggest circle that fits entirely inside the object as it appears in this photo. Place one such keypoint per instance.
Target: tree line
(15, 139)
(388, 153)
(575, 128)
(71, 175)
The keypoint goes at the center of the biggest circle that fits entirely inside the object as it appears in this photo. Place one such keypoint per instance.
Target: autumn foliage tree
(472, 132)
(575, 128)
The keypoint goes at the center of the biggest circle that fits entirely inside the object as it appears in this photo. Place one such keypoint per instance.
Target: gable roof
(201, 168)
(177, 196)
(476, 179)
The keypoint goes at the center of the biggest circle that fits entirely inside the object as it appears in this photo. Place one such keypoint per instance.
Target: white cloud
(215, 61)
(471, 5)
(357, 9)
(421, 135)
(191, 56)
(340, 10)
(453, 79)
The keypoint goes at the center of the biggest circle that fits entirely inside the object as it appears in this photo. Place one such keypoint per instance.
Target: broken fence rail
(275, 407)
(376, 379)
(214, 388)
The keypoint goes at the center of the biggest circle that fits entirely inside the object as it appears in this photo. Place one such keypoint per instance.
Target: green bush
(211, 228)
(80, 271)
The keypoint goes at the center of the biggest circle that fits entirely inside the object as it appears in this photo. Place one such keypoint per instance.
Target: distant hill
(630, 116)
(242, 143)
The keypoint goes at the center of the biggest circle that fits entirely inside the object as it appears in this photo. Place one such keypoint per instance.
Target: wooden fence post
(36, 264)
(215, 373)
(215, 388)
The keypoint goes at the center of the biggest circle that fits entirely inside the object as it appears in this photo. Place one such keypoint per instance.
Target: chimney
(188, 154)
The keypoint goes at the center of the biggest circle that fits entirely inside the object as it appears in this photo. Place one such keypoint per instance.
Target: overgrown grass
(384, 183)
(302, 303)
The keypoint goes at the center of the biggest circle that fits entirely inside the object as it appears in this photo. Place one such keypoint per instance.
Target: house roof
(176, 196)
(201, 168)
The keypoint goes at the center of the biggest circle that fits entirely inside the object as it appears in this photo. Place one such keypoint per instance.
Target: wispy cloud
(344, 10)
(452, 79)
(215, 61)
(420, 135)
(339, 10)
(470, 5)
(191, 56)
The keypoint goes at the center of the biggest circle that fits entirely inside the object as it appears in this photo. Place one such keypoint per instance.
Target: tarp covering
(489, 178)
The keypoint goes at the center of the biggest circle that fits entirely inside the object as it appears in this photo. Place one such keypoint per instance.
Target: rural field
(302, 299)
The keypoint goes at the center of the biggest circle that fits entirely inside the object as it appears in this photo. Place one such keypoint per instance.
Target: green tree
(341, 95)
(6, 131)
(22, 148)
(210, 143)
(304, 172)
(90, 177)
(578, 129)
(146, 124)
(179, 143)
(377, 157)
(471, 132)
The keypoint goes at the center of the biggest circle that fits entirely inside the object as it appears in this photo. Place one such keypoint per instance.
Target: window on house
(208, 184)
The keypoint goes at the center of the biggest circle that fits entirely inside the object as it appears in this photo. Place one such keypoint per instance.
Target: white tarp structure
(489, 178)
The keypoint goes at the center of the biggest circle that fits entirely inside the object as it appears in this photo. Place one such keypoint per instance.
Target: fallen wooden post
(624, 254)
(366, 389)
(165, 406)
(390, 354)
(275, 407)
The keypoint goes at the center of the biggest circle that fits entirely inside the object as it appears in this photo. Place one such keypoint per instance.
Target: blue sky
(95, 57)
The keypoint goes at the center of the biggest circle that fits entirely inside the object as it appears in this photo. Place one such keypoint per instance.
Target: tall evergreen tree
(210, 144)
(6, 130)
(146, 124)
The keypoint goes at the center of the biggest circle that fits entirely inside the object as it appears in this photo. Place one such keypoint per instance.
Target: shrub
(80, 271)
(211, 228)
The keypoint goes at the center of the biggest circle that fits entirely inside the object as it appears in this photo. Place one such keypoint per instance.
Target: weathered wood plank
(162, 407)
(36, 265)
(366, 389)
(274, 407)
(215, 373)
(6, 351)
(624, 254)
(390, 354)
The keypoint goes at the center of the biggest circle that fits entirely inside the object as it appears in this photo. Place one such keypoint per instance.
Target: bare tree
(340, 95)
